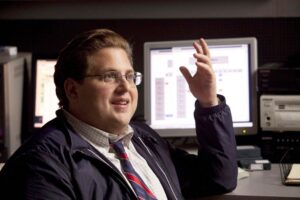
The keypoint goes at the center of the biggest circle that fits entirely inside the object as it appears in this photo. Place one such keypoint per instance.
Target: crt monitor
(169, 105)
(46, 102)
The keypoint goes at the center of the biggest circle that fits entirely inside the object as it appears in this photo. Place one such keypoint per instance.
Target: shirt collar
(95, 135)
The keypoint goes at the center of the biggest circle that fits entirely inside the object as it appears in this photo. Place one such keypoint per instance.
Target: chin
(124, 122)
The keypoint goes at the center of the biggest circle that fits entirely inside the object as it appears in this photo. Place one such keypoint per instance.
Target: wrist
(216, 101)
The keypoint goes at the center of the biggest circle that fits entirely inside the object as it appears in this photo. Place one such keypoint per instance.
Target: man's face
(108, 106)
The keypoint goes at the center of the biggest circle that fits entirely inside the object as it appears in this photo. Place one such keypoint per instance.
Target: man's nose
(123, 82)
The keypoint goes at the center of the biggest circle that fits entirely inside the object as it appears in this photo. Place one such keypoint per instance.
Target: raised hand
(203, 83)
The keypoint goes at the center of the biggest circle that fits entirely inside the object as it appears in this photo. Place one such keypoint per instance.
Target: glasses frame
(114, 76)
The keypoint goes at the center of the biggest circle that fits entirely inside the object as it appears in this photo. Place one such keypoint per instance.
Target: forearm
(217, 146)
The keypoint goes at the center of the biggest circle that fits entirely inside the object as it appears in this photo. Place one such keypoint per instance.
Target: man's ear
(70, 87)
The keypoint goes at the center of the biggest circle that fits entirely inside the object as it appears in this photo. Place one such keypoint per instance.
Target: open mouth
(121, 102)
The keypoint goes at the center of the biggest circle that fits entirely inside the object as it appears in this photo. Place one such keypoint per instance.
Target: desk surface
(266, 183)
(261, 185)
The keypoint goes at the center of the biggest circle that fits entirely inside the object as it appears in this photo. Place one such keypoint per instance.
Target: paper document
(242, 173)
(294, 173)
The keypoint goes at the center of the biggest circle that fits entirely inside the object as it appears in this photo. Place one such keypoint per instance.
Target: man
(74, 156)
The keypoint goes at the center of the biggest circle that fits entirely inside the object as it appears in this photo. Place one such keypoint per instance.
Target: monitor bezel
(188, 132)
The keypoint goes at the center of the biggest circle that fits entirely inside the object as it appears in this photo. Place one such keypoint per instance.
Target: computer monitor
(46, 102)
(169, 105)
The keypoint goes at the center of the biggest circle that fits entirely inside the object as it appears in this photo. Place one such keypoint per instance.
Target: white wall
(117, 9)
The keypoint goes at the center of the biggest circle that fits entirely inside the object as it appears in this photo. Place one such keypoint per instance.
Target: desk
(261, 185)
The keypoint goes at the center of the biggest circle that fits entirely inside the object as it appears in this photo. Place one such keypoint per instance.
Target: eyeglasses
(114, 76)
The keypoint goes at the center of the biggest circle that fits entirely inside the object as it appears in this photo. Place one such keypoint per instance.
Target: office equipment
(262, 164)
(46, 102)
(279, 89)
(169, 104)
(8, 50)
(11, 101)
(248, 151)
(242, 173)
(280, 112)
(275, 144)
(278, 78)
(249, 157)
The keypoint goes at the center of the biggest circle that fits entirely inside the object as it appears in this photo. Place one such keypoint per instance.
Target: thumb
(186, 74)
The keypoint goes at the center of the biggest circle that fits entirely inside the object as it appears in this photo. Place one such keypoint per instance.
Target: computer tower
(12, 70)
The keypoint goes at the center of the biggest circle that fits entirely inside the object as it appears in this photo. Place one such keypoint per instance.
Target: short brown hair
(73, 58)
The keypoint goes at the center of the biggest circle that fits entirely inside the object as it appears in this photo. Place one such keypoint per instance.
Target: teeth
(121, 102)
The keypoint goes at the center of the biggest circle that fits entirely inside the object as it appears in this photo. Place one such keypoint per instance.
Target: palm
(202, 84)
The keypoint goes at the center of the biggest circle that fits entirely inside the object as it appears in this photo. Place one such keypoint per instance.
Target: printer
(279, 96)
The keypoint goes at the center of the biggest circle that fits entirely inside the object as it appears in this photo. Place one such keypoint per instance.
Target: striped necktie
(140, 188)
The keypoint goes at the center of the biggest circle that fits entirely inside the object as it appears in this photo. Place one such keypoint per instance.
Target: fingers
(198, 47)
(203, 62)
(201, 47)
(204, 47)
(204, 70)
(202, 52)
(202, 58)
(186, 74)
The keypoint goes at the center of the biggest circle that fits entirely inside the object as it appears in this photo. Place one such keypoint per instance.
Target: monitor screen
(46, 102)
(169, 105)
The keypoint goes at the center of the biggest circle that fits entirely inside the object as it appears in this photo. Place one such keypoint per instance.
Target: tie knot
(118, 147)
